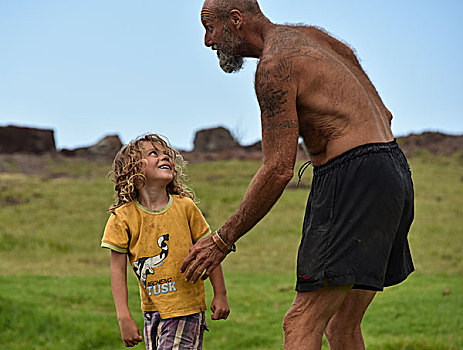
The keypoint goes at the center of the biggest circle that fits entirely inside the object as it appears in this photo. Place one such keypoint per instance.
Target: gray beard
(229, 63)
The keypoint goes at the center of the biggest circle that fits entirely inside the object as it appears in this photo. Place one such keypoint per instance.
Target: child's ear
(139, 183)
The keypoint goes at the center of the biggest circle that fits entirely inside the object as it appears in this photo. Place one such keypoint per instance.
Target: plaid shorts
(185, 332)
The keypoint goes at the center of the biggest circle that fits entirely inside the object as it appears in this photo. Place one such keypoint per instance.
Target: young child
(154, 223)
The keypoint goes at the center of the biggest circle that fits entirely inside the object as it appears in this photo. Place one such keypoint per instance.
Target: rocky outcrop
(214, 140)
(433, 142)
(15, 139)
(255, 147)
(107, 147)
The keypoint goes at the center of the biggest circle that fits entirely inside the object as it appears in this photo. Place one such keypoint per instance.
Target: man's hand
(204, 256)
(130, 332)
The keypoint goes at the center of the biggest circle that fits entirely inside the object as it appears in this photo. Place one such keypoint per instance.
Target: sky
(91, 68)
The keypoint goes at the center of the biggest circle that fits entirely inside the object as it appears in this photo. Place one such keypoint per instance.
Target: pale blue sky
(90, 68)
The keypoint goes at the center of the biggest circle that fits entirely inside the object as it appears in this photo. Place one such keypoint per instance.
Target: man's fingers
(209, 270)
(205, 276)
(204, 256)
(191, 270)
(197, 274)
(189, 258)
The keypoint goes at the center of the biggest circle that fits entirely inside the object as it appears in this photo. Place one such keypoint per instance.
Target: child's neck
(153, 198)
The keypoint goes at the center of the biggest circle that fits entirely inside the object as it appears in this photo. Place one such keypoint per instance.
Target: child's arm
(129, 329)
(219, 305)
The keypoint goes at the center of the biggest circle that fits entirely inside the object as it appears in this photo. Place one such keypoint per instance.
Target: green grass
(43, 312)
(54, 279)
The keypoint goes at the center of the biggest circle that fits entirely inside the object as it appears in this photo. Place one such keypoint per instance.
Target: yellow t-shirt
(156, 243)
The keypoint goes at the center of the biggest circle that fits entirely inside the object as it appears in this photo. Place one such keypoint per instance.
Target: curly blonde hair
(128, 171)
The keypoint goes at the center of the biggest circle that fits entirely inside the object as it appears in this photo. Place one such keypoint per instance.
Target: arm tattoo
(281, 124)
(283, 70)
(262, 75)
(272, 99)
(300, 53)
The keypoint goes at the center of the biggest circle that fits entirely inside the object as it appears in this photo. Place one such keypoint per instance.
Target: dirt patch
(11, 201)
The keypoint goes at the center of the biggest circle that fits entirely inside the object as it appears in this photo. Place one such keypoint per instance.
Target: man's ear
(236, 18)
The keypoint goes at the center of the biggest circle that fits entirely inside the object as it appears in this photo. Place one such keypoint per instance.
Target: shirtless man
(360, 208)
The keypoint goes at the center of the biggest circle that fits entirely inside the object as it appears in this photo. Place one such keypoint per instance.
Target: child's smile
(159, 165)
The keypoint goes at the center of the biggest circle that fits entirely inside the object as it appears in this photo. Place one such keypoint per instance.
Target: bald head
(229, 24)
(223, 7)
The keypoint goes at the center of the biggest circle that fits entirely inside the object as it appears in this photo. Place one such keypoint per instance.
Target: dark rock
(15, 139)
(255, 147)
(107, 147)
(214, 140)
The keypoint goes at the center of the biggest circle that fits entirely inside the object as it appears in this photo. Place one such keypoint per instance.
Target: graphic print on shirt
(144, 266)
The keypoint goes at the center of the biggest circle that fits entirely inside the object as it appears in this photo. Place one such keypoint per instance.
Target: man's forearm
(263, 192)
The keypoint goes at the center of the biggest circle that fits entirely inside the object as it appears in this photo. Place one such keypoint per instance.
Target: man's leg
(309, 315)
(343, 331)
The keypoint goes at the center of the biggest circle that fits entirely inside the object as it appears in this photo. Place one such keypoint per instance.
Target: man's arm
(277, 95)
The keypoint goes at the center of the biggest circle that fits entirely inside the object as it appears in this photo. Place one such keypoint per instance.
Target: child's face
(160, 167)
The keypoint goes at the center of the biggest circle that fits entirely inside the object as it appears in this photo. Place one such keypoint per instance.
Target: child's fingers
(214, 314)
(134, 340)
(220, 314)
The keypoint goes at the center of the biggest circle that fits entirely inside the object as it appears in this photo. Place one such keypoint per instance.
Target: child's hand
(220, 308)
(130, 332)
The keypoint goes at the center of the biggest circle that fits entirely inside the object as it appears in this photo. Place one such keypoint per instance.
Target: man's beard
(229, 61)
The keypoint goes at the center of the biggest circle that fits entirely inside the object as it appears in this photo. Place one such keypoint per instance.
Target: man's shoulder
(286, 38)
(287, 42)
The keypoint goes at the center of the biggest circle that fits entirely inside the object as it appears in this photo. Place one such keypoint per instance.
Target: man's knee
(345, 325)
(291, 320)
(299, 318)
(337, 328)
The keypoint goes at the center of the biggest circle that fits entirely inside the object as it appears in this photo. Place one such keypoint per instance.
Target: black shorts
(357, 219)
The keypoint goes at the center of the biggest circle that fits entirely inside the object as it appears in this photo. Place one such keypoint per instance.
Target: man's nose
(207, 40)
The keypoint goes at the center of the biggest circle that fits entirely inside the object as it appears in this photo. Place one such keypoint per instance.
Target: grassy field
(55, 286)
